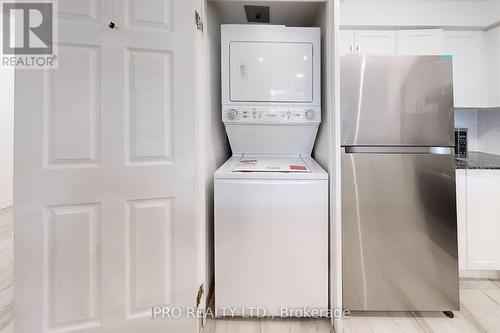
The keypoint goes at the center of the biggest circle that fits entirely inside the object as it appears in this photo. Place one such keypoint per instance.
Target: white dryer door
(271, 72)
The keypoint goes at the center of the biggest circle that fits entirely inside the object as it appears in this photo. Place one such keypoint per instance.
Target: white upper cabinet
(491, 67)
(476, 57)
(371, 42)
(420, 42)
(465, 47)
(375, 42)
(346, 43)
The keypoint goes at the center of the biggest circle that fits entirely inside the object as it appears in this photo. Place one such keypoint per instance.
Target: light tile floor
(267, 326)
(6, 269)
(480, 313)
(480, 308)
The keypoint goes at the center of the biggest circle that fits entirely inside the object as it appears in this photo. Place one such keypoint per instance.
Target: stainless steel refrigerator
(399, 223)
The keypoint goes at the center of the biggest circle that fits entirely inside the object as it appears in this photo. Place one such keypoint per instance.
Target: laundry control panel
(249, 114)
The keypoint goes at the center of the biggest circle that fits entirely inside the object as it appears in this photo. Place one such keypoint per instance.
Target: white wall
(450, 13)
(327, 147)
(6, 136)
(484, 129)
(488, 129)
(322, 147)
(216, 148)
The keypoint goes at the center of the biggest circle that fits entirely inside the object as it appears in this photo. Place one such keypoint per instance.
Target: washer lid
(262, 163)
(314, 170)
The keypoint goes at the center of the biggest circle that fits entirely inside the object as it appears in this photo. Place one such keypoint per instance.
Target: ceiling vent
(257, 14)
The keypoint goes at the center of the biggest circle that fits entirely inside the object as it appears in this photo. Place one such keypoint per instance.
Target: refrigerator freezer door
(397, 100)
(399, 232)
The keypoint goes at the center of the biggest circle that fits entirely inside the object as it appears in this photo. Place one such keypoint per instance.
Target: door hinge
(198, 21)
(199, 295)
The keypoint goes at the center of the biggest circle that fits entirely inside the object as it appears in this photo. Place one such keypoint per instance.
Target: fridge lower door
(399, 232)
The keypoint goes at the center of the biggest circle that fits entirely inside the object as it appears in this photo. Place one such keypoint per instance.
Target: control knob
(310, 114)
(232, 114)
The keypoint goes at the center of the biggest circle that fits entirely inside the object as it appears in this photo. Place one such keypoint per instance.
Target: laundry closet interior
(280, 14)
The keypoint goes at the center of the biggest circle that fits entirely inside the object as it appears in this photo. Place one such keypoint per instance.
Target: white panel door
(271, 72)
(465, 47)
(106, 180)
(420, 42)
(346, 42)
(375, 42)
(483, 227)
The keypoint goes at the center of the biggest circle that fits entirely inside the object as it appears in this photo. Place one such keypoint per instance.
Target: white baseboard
(480, 275)
(5, 203)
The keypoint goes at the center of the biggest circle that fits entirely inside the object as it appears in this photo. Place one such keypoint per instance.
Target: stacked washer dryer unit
(271, 208)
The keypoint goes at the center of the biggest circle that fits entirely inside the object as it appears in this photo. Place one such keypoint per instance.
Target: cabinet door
(465, 47)
(375, 42)
(483, 227)
(461, 181)
(491, 67)
(420, 42)
(346, 42)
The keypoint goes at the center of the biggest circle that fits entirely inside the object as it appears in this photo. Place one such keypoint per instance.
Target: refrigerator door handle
(399, 150)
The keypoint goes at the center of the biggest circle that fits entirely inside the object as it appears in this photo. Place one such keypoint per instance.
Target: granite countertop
(478, 160)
